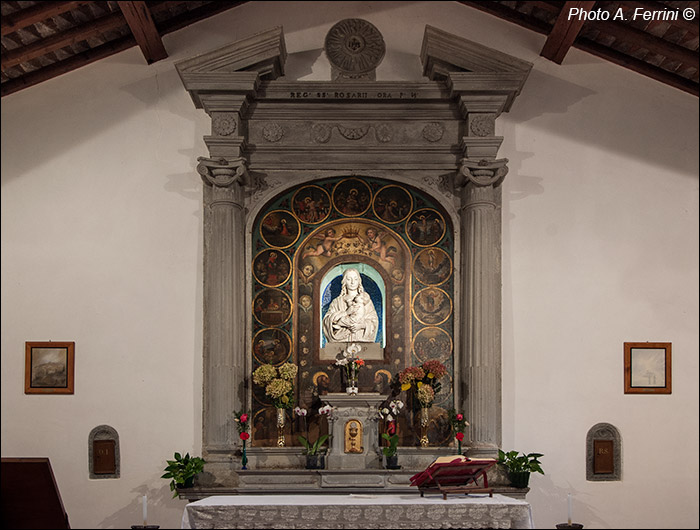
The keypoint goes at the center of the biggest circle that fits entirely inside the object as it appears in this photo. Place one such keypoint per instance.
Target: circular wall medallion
(352, 197)
(272, 267)
(311, 204)
(425, 227)
(271, 345)
(392, 204)
(354, 46)
(432, 306)
(432, 266)
(432, 343)
(279, 228)
(272, 307)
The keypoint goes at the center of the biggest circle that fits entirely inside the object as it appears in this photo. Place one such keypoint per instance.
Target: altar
(357, 511)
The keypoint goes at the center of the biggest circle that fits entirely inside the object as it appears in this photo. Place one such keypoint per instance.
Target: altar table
(357, 511)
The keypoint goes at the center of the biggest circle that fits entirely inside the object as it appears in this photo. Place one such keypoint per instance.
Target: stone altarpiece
(276, 141)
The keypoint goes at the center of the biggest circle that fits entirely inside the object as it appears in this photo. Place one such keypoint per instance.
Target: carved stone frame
(436, 134)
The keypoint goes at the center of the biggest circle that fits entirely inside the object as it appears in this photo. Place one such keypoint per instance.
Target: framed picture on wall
(49, 367)
(647, 367)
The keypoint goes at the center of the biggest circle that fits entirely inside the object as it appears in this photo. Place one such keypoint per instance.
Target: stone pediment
(443, 52)
(260, 56)
(472, 69)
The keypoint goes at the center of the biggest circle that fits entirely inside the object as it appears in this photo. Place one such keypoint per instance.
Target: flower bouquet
(278, 383)
(389, 414)
(458, 424)
(352, 366)
(426, 380)
(279, 386)
(241, 419)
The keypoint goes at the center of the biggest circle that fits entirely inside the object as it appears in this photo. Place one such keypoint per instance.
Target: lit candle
(145, 510)
(569, 501)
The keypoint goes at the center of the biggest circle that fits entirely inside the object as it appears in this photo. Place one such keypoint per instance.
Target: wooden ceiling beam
(688, 25)
(36, 13)
(80, 33)
(639, 66)
(511, 15)
(112, 47)
(93, 28)
(144, 29)
(67, 65)
(591, 47)
(637, 37)
(565, 30)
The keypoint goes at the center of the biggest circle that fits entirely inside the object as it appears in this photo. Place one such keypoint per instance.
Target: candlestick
(569, 502)
(145, 510)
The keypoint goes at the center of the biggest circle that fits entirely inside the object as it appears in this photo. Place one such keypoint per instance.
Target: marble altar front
(357, 511)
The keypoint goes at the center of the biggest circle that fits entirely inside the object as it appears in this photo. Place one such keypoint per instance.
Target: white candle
(569, 502)
(145, 510)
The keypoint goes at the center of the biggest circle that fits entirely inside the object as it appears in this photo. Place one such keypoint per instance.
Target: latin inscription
(352, 95)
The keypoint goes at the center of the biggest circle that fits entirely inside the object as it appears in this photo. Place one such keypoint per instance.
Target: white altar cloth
(357, 511)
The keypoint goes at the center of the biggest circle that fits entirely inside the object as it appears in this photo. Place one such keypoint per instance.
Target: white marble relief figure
(351, 316)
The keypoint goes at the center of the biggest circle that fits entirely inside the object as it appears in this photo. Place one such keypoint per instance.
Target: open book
(454, 474)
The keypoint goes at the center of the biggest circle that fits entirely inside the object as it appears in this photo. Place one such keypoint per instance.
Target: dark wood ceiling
(42, 40)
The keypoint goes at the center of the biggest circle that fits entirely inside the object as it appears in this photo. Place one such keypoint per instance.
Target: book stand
(455, 474)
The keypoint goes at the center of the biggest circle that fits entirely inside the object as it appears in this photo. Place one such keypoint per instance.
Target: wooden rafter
(115, 46)
(144, 30)
(80, 33)
(565, 30)
(590, 46)
(36, 13)
(636, 37)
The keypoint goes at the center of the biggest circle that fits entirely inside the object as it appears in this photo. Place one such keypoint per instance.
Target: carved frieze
(321, 132)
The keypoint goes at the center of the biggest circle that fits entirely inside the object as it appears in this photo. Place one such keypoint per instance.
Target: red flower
(459, 417)
(244, 418)
(244, 436)
(359, 362)
(391, 428)
(459, 436)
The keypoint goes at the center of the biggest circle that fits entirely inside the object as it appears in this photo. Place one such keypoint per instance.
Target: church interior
(325, 245)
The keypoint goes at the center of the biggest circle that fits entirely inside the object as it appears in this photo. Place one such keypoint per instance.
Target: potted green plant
(314, 451)
(519, 466)
(182, 471)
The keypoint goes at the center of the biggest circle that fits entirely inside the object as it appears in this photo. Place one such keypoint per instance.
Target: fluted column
(224, 300)
(480, 355)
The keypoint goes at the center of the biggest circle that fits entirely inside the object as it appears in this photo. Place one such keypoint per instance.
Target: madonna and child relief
(351, 317)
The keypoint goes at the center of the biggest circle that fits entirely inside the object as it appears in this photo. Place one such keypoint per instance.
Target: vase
(315, 462)
(424, 420)
(351, 387)
(244, 459)
(281, 418)
(519, 479)
(391, 462)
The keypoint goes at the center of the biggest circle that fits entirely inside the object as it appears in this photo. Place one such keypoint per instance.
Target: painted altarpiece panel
(401, 241)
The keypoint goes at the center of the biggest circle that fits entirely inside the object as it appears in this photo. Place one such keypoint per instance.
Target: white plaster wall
(101, 245)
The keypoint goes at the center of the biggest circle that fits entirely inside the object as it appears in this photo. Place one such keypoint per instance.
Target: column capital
(221, 172)
(481, 172)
